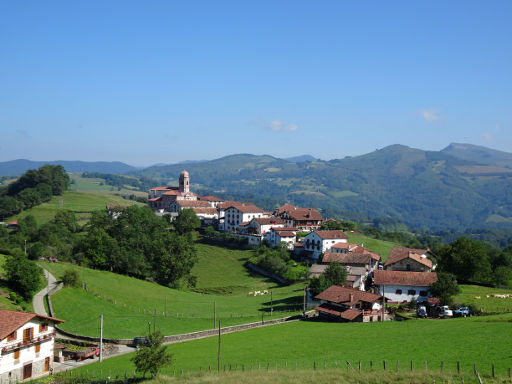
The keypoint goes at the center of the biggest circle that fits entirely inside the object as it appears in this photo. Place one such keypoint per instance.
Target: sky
(148, 82)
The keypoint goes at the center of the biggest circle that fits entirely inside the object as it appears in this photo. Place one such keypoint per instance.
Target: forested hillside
(424, 189)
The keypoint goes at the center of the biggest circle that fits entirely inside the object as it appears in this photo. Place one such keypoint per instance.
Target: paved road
(38, 300)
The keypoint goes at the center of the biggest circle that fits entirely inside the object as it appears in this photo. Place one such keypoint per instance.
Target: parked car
(137, 341)
(422, 312)
(461, 312)
(445, 311)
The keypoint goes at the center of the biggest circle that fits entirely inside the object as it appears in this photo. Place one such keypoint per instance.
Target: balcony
(15, 344)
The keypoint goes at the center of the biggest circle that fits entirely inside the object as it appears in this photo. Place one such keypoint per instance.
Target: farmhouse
(307, 219)
(236, 213)
(408, 259)
(346, 304)
(280, 235)
(318, 242)
(403, 286)
(261, 225)
(26, 344)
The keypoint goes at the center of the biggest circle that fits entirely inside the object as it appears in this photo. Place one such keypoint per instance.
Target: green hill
(479, 154)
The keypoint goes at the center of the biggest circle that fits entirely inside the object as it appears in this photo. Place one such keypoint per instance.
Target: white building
(26, 345)
(275, 236)
(237, 213)
(400, 286)
(318, 242)
(260, 226)
(408, 259)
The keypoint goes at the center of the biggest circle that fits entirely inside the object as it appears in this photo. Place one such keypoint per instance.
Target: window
(38, 348)
(12, 336)
(408, 267)
(411, 292)
(43, 327)
(398, 292)
(28, 334)
(16, 354)
(423, 293)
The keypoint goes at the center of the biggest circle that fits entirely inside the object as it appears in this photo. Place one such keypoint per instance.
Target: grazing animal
(477, 297)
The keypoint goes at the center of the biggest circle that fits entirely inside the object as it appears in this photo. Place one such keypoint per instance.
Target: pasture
(480, 340)
(378, 246)
(129, 304)
(488, 305)
(81, 203)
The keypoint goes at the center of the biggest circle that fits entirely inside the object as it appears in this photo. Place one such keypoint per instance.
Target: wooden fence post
(493, 371)
(325, 364)
(474, 368)
(335, 363)
(426, 365)
(384, 364)
(442, 366)
(314, 365)
(458, 367)
(412, 367)
(397, 366)
(359, 366)
(509, 373)
(371, 365)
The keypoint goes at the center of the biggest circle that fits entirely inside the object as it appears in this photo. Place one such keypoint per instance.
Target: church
(164, 197)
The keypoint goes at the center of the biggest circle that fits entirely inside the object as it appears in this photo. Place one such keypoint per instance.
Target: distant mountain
(17, 167)
(479, 154)
(300, 159)
(424, 189)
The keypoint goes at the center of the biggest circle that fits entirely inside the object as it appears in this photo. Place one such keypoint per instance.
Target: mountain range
(462, 186)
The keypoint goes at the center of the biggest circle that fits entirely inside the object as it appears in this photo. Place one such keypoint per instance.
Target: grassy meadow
(81, 203)
(98, 185)
(481, 340)
(378, 246)
(488, 305)
(128, 304)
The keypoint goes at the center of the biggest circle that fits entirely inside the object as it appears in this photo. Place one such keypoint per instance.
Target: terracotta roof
(304, 214)
(193, 204)
(348, 314)
(244, 207)
(211, 198)
(334, 234)
(421, 279)
(346, 258)
(286, 233)
(160, 188)
(172, 192)
(269, 221)
(227, 204)
(209, 210)
(347, 296)
(155, 199)
(355, 248)
(398, 254)
(285, 208)
(10, 321)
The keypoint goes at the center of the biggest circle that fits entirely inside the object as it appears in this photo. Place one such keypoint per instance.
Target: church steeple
(184, 182)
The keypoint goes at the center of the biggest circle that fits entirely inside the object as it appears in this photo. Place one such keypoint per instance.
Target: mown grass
(489, 305)
(98, 185)
(483, 341)
(128, 304)
(81, 203)
(321, 376)
(378, 246)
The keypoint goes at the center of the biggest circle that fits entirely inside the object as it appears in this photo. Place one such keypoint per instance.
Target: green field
(480, 340)
(97, 185)
(378, 246)
(489, 305)
(81, 203)
(128, 304)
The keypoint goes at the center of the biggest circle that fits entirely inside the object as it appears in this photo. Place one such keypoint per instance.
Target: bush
(70, 278)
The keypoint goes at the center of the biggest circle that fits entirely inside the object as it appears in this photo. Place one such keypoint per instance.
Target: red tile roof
(269, 221)
(420, 279)
(160, 188)
(211, 198)
(346, 258)
(347, 296)
(333, 234)
(285, 233)
(155, 198)
(10, 321)
(398, 254)
(303, 214)
(193, 204)
(347, 314)
(285, 208)
(244, 207)
(210, 210)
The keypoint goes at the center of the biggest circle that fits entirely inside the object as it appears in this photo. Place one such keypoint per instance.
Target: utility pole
(101, 337)
(214, 313)
(149, 328)
(218, 352)
(271, 304)
(154, 321)
(304, 302)
(25, 247)
(383, 302)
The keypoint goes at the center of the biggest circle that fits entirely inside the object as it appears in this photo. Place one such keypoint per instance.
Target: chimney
(351, 297)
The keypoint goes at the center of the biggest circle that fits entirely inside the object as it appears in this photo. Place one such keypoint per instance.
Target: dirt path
(51, 286)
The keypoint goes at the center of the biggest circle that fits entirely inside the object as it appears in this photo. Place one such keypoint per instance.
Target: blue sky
(147, 82)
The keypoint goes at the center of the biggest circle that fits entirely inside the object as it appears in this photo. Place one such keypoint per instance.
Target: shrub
(70, 278)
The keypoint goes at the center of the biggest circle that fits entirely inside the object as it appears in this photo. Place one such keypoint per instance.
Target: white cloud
(431, 115)
(278, 125)
(487, 136)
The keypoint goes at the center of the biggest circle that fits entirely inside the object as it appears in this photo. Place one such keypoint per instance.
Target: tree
(187, 221)
(23, 275)
(336, 274)
(70, 278)
(445, 287)
(151, 356)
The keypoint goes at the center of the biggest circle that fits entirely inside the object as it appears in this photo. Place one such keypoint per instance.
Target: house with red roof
(307, 219)
(26, 345)
(318, 242)
(275, 236)
(352, 305)
(403, 286)
(235, 213)
(408, 259)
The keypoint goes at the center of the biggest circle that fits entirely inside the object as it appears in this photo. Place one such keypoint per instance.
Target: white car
(445, 311)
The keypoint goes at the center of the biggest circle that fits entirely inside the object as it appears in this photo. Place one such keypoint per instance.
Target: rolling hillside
(424, 189)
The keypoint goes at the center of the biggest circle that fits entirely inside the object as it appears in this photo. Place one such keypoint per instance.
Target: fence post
(493, 371)
(426, 365)
(509, 373)
(412, 367)
(458, 367)
(442, 365)
(397, 366)
(359, 366)
(384, 364)
(296, 366)
(314, 365)
(325, 364)
(474, 368)
(371, 365)
(335, 363)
